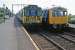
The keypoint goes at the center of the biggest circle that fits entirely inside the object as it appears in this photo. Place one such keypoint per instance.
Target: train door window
(65, 13)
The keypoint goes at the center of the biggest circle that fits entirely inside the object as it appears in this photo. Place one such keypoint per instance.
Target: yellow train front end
(58, 18)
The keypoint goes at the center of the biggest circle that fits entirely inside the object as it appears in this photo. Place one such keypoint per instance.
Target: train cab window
(59, 13)
(33, 13)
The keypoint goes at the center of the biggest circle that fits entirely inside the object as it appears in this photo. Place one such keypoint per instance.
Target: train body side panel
(31, 19)
(58, 20)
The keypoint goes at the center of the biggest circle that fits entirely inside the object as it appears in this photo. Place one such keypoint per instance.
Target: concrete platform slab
(13, 38)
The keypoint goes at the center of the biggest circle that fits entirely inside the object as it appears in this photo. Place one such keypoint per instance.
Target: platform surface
(72, 25)
(12, 37)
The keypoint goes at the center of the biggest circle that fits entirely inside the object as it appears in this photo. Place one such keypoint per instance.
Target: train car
(30, 16)
(57, 18)
(45, 16)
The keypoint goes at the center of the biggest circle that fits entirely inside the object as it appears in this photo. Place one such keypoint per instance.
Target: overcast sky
(69, 4)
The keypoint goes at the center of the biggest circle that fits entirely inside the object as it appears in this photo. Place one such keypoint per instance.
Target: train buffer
(13, 38)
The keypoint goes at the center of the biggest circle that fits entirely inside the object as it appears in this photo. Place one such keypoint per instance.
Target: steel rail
(66, 38)
(52, 41)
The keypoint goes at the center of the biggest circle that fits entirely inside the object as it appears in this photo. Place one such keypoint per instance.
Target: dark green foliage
(1, 12)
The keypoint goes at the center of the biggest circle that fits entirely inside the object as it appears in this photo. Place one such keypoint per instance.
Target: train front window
(59, 13)
(33, 12)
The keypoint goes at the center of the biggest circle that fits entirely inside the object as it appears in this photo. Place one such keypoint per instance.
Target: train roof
(58, 9)
(32, 5)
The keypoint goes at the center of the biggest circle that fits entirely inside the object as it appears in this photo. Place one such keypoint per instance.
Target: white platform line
(30, 39)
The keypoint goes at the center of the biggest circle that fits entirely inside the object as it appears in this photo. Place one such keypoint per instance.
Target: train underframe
(58, 26)
(32, 26)
(55, 27)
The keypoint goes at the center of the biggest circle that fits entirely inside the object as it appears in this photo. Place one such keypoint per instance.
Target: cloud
(69, 4)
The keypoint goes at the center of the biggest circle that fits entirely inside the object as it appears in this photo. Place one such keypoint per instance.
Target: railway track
(43, 43)
(59, 41)
(68, 37)
(70, 34)
(53, 42)
(46, 40)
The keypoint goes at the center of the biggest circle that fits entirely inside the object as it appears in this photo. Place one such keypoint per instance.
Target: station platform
(13, 38)
(72, 25)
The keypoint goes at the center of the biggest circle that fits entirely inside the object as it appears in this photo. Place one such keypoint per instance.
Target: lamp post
(4, 11)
